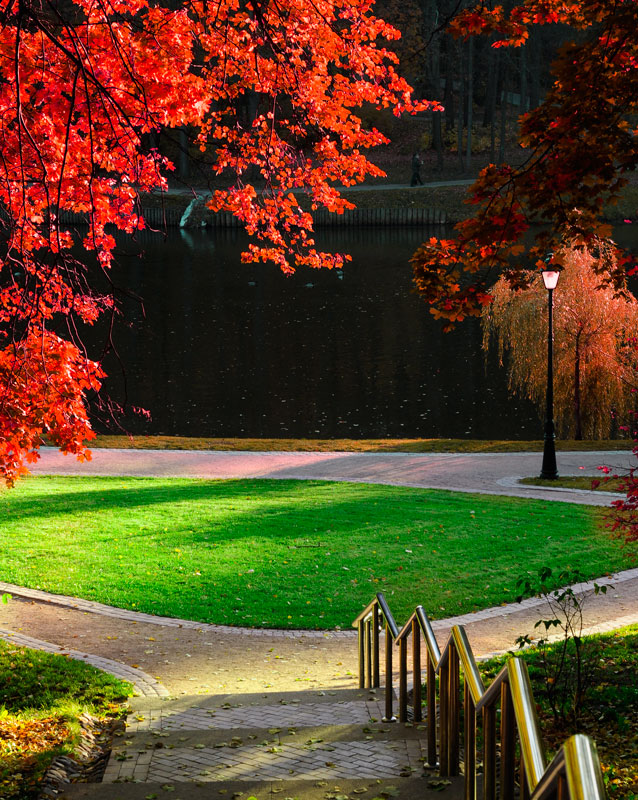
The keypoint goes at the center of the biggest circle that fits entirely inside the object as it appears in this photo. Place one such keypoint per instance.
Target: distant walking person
(416, 170)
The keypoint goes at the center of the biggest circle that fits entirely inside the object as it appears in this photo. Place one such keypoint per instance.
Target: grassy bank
(287, 554)
(352, 445)
(576, 482)
(609, 713)
(451, 199)
(41, 699)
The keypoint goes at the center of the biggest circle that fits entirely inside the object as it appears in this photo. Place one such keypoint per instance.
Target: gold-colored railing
(368, 624)
(574, 773)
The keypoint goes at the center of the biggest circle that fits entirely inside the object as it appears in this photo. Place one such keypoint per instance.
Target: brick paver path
(311, 735)
(305, 744)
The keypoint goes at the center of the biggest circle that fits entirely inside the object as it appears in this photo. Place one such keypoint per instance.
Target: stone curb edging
(532, 602)
(592, 630)
(612, 624)
(146, 685)
(92, 607)
(569, 495)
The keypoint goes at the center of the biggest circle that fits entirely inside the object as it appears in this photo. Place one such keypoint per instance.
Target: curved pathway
(485, 473)
(195, 658)
(144, 684)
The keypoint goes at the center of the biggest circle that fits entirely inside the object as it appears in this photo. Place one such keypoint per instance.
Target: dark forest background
(484, 91)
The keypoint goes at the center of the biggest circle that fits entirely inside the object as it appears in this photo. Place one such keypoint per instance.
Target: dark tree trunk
(578, 432)
(448, 99)
(504, 98)
(470, 103)
(524, 104)
(535, 69)
(184, 161)
(437, 137)
(490, 87)
(461, 114)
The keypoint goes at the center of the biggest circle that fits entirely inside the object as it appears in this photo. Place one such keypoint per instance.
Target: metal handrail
(555, 772)
(576, 764)
(459, 639)
(426, 627)
(493, 691)
(529, 730)
(379, 601)
(387, 614)
(418, 624)
(368, 624)
(582, 769)
(514, 674)
(575, 772)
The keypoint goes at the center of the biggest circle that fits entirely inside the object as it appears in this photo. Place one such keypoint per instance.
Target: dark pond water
(225, 349)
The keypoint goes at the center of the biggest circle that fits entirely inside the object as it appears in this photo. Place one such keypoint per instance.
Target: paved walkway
(486, 473)
(188, 657)
(220, 709)
(171, 656)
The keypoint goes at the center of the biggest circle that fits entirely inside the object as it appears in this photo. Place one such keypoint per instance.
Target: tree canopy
(594, 357)
(580, 145)
(84, 84)
(268, 89)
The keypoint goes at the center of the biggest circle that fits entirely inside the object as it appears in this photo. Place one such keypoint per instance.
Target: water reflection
(225, 349)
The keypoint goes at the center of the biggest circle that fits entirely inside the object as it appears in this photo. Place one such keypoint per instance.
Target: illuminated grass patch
(298, 554)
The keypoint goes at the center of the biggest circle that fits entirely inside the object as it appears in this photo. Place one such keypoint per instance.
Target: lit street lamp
(549, 470)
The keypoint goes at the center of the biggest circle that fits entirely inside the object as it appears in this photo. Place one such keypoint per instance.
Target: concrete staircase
(313, 745)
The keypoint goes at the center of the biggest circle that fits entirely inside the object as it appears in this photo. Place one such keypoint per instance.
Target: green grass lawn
(576, 482)
(296, 554)
(41, 698)
(353, 445)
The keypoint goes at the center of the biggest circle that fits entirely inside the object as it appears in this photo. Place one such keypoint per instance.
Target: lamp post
(549, 470)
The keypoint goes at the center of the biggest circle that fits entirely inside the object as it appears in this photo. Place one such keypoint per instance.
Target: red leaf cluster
(43, 385)
(84, 85)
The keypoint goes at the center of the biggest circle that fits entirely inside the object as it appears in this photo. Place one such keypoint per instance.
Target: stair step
(303, 709)
(333, 752)
(299, 789)
(260, 698)
(224, 737)
(308, 745)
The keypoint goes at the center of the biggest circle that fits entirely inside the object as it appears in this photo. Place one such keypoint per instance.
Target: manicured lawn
(576, 482)
(609, 713)
(41, 698)
(354, 445)
(298, 554)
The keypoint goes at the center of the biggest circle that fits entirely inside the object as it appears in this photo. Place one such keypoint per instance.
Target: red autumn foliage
(581, 144)
(623, 518)
(84, 84)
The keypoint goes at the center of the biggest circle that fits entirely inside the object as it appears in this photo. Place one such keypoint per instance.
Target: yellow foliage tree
(595, 331)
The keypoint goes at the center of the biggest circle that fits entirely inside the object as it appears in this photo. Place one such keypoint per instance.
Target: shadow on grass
(31, 503)
(321, 495)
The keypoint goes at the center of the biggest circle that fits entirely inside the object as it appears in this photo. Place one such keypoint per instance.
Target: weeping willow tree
(595, 334)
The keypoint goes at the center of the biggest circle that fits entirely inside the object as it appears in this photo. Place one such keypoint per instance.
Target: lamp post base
(549, 470)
